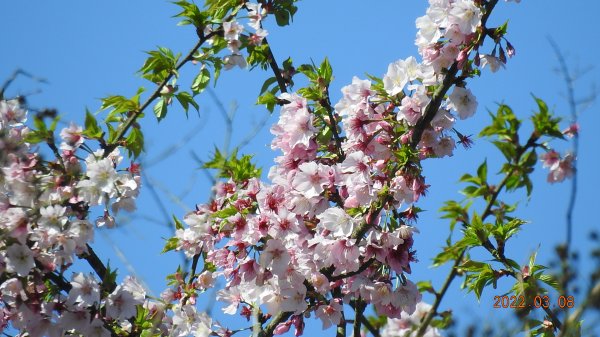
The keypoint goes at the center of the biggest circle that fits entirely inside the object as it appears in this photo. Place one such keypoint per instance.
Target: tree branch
(123, 128)
(275, 67)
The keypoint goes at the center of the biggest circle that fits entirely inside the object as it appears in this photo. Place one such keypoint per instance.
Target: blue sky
(87, 50)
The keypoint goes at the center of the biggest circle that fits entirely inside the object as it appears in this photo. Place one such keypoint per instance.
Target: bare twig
(13, 77)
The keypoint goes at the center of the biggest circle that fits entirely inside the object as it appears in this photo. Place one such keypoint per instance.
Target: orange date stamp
(540, 301)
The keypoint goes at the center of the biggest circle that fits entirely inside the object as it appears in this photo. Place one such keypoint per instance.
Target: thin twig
(123, 128)
(273, 64)
(14, 76)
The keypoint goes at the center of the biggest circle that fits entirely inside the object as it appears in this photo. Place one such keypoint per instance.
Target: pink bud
(282, 328)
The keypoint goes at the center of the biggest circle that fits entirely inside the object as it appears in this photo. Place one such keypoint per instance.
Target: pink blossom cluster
(560, 167)
(44, 227)
(312, 240)
(333, 226)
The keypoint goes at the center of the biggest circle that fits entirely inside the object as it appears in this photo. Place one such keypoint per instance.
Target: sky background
(87, 50)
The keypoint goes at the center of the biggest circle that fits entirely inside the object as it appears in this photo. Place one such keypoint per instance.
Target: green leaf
(135, 142)
(191, 14)
(186, 99)
(159, 65)
(225, 213)
(34, 137)
(92, 130)
(160, 109)
(449, 253)
(325, 72)
(269, 100)
(171, 244)
(550, 280)
(54, 123)
(110, 277)
(267, 84)
(501, 31)
(201, 81)
(120, 104)
(178, 224)
(544, 123)
(425, 286)
(482, 172)
(39, 124)
(237, 169)
(309, 71)
(218, 9)
(284, 11)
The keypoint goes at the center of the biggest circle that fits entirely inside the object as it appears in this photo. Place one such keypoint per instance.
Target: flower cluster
(43, 222)
(327, 230)
(334, 226)
(560, 168)
(233, 31)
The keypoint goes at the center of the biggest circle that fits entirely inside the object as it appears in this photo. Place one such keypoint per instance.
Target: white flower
(466, 15)
(19, 259)
(337, 221)
(233, 60)
(256, 14)
(443, 120)
(396, 78)
(75, 319)
(121, 304)
(232, 30)
(428, 31)
(463, 101)
(404, 326)
(53, 216)
(102, 174)
(275, 256)
(187, 321)
(493, 62)
(444, 147)
(85, 290)
(11, 113)
(206, 280)
(132, 285)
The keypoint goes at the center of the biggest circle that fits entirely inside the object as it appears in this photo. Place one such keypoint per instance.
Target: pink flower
(463, 101)
(275, 256)
(330, 314)
(19, 259)
(85, 290)
(309, 179)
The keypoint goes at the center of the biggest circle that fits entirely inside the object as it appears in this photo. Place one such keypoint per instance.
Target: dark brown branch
(362, 268)
(326, 103)
(359, 308)
(279, 318)
(370, 327)
(99, 267)
(275, 67)
(341, 328)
